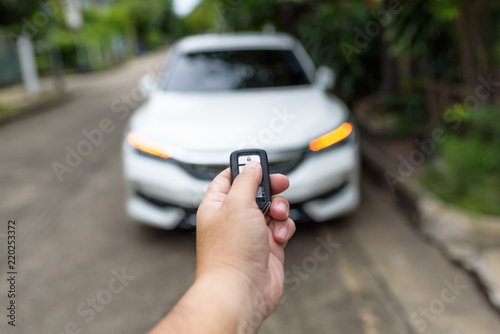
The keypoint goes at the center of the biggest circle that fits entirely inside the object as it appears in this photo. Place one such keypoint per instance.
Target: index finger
(218, 189)
(279, 183)
(221, 184)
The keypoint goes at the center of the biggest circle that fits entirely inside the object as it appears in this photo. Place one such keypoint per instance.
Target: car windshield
(235, 69)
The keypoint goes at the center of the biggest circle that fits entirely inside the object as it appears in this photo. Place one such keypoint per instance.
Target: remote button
(260, 192)
(243, 159)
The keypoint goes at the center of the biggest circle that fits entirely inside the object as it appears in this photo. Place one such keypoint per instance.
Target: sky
(184, 7)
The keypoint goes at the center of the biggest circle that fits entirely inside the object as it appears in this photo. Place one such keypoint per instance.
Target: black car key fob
(239, 159)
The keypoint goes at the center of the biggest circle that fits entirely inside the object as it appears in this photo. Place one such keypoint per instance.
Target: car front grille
(281, 162)
(204, 172)
(284, 167)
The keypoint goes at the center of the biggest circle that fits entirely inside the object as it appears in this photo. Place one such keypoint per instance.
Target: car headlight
(331, 138)
(146, 146)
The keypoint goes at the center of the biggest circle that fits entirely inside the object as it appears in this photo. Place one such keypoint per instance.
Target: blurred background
(422, 80)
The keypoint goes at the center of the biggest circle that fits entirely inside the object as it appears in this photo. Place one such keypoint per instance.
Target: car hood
(189, 124)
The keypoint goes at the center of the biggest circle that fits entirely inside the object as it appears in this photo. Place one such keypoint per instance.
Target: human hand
(242, 249)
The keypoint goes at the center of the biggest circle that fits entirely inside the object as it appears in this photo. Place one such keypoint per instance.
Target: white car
(220, 93)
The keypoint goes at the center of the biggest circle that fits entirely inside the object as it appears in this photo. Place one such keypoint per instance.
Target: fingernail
(282, 232)
(283, 207)
(251, 164)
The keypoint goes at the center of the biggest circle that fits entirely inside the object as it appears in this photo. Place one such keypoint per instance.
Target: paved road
(83, 267)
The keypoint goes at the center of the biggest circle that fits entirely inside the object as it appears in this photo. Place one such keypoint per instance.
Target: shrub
(467, 173)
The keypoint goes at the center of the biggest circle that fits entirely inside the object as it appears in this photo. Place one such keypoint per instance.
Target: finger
(244, 188)
(276, 248)
(279, 183)
(218, 189)
(283, 230)
(279, 208)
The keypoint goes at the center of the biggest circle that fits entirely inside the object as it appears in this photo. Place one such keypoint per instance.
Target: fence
(10, 71)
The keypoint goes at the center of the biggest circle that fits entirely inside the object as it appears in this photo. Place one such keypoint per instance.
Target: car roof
(235, 41)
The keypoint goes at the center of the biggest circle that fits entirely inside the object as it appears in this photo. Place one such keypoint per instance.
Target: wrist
(231, 300)
(216, 303)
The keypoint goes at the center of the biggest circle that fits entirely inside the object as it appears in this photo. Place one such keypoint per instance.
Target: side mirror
(148, 84)
(325, 77)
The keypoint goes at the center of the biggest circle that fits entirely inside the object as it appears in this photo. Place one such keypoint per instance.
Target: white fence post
(27, 61)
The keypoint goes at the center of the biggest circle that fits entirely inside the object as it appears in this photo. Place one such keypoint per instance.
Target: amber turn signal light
(146, 146)
(332, 137)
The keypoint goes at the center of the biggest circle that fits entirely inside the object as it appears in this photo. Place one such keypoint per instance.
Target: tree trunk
(389, 67)
(474, 26)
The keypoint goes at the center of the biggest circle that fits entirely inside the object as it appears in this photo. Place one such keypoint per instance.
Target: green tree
(150, 19)
(327, 30)
(333, 33)
(13, 11)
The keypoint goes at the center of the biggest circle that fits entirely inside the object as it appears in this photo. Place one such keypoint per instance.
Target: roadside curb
(20, 112)
(471, 240)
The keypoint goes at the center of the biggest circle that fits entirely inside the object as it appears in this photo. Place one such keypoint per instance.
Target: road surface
(83, 267)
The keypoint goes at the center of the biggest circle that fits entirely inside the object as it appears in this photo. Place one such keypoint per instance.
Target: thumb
(244, 188)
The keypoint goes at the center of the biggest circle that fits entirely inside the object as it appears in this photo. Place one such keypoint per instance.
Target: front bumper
(163, 194)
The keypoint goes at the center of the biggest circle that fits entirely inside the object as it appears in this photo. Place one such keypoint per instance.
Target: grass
(5, 112)
(482, 197)
(467, 172)
(42, 101)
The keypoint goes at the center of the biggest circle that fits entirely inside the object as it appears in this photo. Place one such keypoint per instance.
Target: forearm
(209, 306)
